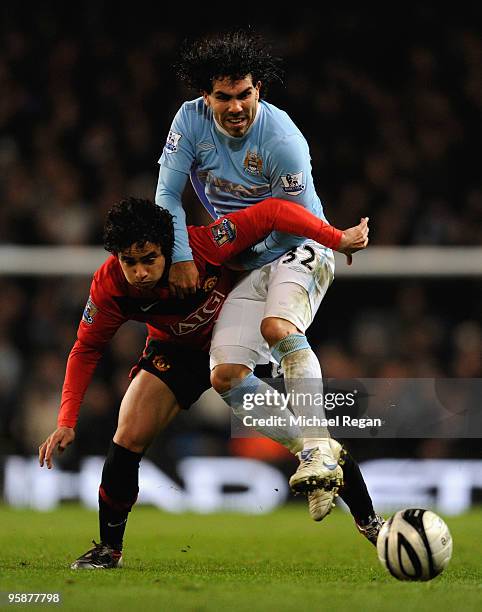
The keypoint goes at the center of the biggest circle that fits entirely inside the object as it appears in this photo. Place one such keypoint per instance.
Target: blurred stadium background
(390, 104)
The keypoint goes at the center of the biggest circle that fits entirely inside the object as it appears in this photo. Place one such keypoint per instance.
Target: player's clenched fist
(354, 239)
(58, 440)
(183, 279)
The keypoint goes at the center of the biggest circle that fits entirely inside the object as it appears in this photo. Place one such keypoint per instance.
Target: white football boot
(321, 501)
(318, 469)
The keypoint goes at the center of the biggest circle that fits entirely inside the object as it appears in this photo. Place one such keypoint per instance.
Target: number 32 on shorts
(305, 259)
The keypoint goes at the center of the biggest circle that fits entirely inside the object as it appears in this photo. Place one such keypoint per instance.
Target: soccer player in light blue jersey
(238, 149)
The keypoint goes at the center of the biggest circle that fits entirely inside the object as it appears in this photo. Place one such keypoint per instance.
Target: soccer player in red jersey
(132, 284)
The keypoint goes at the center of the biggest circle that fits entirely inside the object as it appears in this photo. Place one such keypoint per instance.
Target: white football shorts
(291, 287)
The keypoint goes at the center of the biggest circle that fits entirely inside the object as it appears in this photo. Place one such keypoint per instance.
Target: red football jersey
(189, 321)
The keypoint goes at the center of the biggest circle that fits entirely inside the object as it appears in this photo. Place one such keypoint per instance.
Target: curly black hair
(233, 55)
(137, 221)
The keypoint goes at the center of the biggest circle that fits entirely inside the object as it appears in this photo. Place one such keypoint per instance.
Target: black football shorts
(184, 370)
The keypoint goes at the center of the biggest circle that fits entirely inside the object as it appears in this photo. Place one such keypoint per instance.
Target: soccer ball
(414, 544)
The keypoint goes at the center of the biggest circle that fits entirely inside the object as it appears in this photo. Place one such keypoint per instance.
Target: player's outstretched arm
(221, 241)
(99, 323)
(354, 239)
(57, 441)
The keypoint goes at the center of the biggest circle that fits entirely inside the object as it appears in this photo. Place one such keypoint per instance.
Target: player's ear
(258, 88)
(206, 98)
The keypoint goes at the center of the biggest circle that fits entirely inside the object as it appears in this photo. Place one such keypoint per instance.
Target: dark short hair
(137, 221)
(233, 55)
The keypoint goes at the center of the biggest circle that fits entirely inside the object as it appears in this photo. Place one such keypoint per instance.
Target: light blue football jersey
(271, 160)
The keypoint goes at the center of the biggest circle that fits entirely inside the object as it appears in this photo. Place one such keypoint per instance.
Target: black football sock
(117, 493)
(355, 493)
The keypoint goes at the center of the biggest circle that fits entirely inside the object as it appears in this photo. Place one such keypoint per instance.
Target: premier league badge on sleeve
(224, 231)
(171, 142)
(90, 311)
(293, 183)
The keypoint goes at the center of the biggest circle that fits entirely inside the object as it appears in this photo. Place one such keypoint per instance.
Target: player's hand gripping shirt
(189, 321)
(271, 160)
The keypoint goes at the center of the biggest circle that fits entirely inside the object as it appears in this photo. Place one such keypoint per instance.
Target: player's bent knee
(126, 440)
(223, 376)
(274, 329)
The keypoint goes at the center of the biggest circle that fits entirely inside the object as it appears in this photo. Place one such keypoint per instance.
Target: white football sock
(303, 378)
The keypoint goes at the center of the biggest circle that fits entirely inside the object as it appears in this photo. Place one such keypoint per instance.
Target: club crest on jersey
(293, 183)
(90, 311)
(209, 283)
(224, 231)
(172, 141)
(253, 163)
(161, 363)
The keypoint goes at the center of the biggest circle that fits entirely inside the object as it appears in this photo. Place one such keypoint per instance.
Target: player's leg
(237, 347)
(320, 501)
(147, 407)
(154, 397)
(354, 493)
(356, 496)
(292, 299)
(297, 285)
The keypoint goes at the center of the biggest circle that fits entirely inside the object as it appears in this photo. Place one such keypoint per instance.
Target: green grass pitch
(281, 561)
